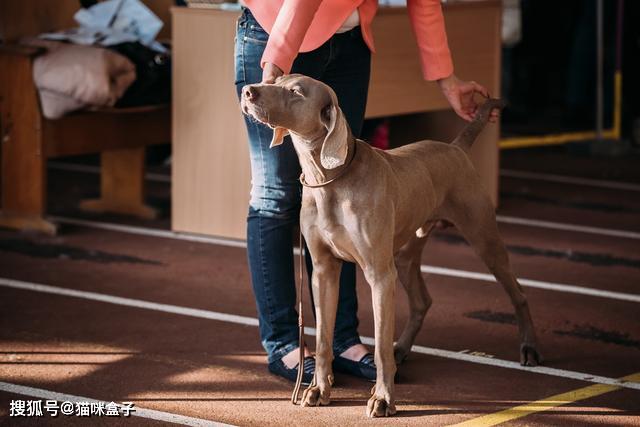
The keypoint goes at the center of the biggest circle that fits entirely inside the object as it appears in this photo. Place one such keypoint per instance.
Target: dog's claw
(378, 407)
(529, 355)
(313, 397)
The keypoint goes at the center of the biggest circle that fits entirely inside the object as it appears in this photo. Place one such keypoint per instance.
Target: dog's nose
(250, 93)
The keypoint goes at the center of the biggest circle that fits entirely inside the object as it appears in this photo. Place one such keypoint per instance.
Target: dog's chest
(331, 227)
(337, 238)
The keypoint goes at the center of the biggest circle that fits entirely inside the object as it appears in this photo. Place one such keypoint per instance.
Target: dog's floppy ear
(334, 149)
(278, 135)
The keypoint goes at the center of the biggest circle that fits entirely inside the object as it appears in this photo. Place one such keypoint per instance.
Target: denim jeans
(343, 63)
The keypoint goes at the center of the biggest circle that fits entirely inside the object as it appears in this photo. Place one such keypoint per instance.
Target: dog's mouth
(256, 112)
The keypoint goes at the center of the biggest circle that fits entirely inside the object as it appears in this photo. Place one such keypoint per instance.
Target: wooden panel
(121, 185)
(92, 132)
(397, 85)
(23, 162)
(211, 173)
(19, 18)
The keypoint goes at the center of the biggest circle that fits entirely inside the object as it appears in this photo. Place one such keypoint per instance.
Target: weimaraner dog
(376, 208)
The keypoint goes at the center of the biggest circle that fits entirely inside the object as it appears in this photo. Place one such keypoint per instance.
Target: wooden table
(211, 173)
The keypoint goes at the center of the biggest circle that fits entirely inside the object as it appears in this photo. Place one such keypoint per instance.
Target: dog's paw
(529, 355)
(378, 407)
(312, 396)
(400, 354)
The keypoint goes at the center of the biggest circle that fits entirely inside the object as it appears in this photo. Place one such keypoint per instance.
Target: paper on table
(112, 22)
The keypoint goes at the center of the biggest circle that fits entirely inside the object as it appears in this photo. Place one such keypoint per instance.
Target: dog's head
(305, 107)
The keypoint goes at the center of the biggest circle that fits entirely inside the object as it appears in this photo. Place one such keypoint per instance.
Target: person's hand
(270, 72)
(460, 95)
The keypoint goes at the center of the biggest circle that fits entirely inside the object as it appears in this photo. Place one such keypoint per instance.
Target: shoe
(278, 367)
(364, 368)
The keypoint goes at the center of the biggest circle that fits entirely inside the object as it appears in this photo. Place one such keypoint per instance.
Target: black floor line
(593, 259)
(58, 251)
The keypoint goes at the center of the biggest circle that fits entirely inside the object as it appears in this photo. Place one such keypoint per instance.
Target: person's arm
(428, 25)
(286, 36)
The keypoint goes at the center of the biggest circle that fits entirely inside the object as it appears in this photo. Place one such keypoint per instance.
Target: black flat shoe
(365, 368)
(279, 368)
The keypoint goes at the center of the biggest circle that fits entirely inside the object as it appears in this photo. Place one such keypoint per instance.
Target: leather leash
(301, 343)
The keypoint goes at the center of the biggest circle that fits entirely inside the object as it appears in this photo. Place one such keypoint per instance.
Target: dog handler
(331, 41)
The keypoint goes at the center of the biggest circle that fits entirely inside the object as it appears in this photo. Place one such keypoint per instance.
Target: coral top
(304, 25)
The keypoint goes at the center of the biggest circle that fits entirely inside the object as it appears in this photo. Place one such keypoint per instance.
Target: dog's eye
(295, 90)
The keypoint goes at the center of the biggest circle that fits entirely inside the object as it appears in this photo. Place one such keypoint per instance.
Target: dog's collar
(342, 172)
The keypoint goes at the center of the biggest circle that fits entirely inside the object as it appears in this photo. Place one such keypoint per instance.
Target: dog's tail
(469, 134)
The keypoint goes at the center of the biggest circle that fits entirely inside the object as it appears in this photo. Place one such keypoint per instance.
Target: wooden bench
(28, 139)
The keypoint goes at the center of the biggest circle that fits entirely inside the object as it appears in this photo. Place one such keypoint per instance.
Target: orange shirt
(304, 25)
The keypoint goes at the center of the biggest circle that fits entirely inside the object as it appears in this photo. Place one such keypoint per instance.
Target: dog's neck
(309, 157)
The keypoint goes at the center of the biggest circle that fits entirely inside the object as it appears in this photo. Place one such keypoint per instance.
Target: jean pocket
(255, 33)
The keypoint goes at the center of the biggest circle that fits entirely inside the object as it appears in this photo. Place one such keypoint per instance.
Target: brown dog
(376, 208)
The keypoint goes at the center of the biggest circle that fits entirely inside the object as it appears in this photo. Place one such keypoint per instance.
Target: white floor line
(568, 227)
(450, 272)
(564, 179)
(151, 414)
(249, 321)
(152, 232)
(558, 287)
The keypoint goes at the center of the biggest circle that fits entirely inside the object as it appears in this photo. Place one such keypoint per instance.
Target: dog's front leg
(383, 284)
(325, 284)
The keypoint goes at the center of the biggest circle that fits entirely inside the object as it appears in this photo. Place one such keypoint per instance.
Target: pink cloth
(71, 77)
(304, 25)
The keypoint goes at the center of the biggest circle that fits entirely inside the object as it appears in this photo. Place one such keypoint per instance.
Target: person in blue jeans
(343, 63)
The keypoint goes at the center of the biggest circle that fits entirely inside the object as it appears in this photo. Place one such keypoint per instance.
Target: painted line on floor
(441, 271)
(567, 227)
(564, 179)
(500, 218)
(151, 232)
(151, 414)
(551, 402)
(250, 321)
(530, 283)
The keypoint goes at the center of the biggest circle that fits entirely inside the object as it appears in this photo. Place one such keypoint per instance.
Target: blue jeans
(343, 63)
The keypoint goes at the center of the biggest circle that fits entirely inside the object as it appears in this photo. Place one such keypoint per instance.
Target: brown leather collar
(341, 173)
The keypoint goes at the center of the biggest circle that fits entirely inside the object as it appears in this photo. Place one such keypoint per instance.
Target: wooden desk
(211, 173)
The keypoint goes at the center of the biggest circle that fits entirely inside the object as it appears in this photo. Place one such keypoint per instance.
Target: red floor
(207, 369)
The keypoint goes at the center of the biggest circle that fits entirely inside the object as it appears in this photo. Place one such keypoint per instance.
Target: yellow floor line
(545, 404)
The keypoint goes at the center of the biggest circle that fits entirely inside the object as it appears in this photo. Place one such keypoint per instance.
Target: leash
(342, 172)
(301, 343)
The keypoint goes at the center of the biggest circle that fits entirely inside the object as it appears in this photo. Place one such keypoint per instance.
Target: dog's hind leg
(407, 262)
(475, 219)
